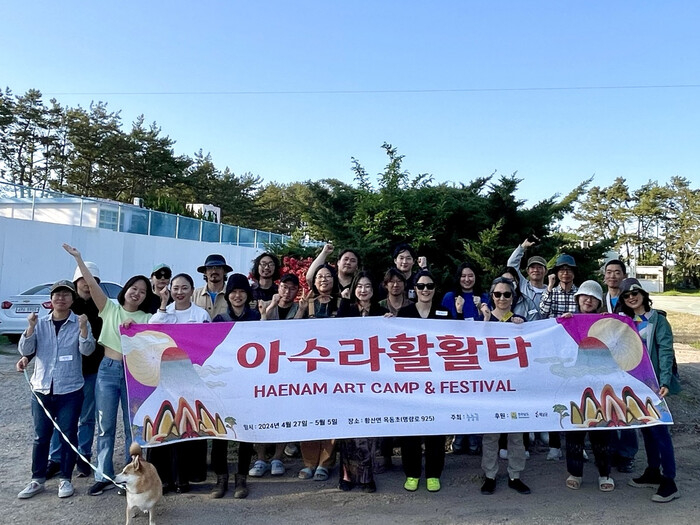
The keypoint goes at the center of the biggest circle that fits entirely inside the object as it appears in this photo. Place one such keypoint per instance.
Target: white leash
(65, 438)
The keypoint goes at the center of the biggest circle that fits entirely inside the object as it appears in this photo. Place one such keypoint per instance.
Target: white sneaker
(291, 450)
(527, 454)
(554, 454)
(503, 453)
(65, 489)
(30, 490)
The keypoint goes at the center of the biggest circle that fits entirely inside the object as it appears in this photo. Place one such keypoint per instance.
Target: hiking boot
(220, 488)
(241, 490)
(667, 491)
(650, 479)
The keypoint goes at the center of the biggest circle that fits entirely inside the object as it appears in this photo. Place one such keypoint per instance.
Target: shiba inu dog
(143, 486)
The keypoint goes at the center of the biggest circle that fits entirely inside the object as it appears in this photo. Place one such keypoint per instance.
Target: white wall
(31, 253)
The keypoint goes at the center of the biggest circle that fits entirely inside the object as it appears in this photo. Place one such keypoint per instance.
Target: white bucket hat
(591, 288)
(94, 270)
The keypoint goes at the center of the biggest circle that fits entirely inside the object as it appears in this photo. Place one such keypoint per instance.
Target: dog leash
(65, 438)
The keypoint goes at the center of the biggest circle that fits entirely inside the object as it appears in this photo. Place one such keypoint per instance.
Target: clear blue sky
(274, 67)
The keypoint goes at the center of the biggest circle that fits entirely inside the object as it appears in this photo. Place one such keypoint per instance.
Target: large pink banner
(280, 381)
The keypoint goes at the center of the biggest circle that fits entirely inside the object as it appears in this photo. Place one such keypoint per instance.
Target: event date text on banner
(281, 381)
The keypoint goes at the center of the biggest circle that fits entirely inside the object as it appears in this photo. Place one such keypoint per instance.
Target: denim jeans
(659, 448)
(110, 390)
(624, 444)
(65, 409)
(86, 423)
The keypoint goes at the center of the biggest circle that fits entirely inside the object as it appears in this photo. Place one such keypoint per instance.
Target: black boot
(220, 488)
(241, 490)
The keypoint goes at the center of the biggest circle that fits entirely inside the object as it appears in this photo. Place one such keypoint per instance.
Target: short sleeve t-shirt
(113, 315)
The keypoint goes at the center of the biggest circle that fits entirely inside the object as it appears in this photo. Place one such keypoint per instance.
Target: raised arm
(98, 296)
(318, 261)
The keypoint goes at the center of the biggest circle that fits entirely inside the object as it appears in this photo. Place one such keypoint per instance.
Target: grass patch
(682, 293)
(686, 328)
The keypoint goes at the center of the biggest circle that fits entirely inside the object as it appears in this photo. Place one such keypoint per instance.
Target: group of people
(79, 370)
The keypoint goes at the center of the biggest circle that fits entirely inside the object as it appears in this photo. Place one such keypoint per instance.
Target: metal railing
(23, 202)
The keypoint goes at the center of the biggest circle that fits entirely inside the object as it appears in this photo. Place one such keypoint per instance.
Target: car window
(42, 289)
(111, 289)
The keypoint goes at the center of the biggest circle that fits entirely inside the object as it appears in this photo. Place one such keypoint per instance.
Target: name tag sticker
(441, 313)
(65, 357)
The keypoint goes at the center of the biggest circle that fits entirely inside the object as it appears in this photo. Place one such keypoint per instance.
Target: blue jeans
(65, 409)
(624, 444)
(86, 423)
(110, 389)
(659, 448)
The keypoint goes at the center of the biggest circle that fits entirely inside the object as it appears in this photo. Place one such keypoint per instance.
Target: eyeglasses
(423, 286)
(324, 277)
(629, 294)
(270, 264)
(507, 295)
(565, 269)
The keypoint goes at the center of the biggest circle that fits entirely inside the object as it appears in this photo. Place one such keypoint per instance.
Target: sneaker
(411, 484)
(276, 467)
(527, 454)
(503, 453)
(53, 468)
(650, 479)
(432, 484)
(585, 456)
(517, 485)
(489, 486)
(30, 490)
(65, 489)
(667, 491)
(259, 469)
(554, 454)
(99, 487)
(291, 450)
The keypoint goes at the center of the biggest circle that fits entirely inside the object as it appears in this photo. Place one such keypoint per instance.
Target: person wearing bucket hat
(57, 340)
(589, 300)
(559, 295)
(656, 332)
(212, 296)
(557, 299)
(533, 287)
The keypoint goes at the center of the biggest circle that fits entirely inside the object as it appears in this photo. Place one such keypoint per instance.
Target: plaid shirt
(557, 302)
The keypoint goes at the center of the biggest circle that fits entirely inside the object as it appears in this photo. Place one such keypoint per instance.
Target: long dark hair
(145, 305)
(621, 307)
(476, 290)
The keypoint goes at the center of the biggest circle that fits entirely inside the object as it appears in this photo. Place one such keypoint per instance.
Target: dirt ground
(289, 500)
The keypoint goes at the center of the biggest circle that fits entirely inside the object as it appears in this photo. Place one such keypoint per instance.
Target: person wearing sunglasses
(502, 294)
(411, 453)
(656, 332)
(160, 279)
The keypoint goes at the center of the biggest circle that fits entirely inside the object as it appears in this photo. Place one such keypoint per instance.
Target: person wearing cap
(589, 300)
(533, 287)
(57, 340)
(160, 279)
(559, 297)
(656, 332)
(238, 296)
(212, 296)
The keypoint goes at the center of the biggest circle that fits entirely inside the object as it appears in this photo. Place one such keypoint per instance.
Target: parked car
(15, 309)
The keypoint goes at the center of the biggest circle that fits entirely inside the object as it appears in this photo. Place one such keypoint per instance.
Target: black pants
(219, 457)
(411, 456)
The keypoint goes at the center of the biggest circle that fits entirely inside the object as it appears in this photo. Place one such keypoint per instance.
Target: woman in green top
(110, 388)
